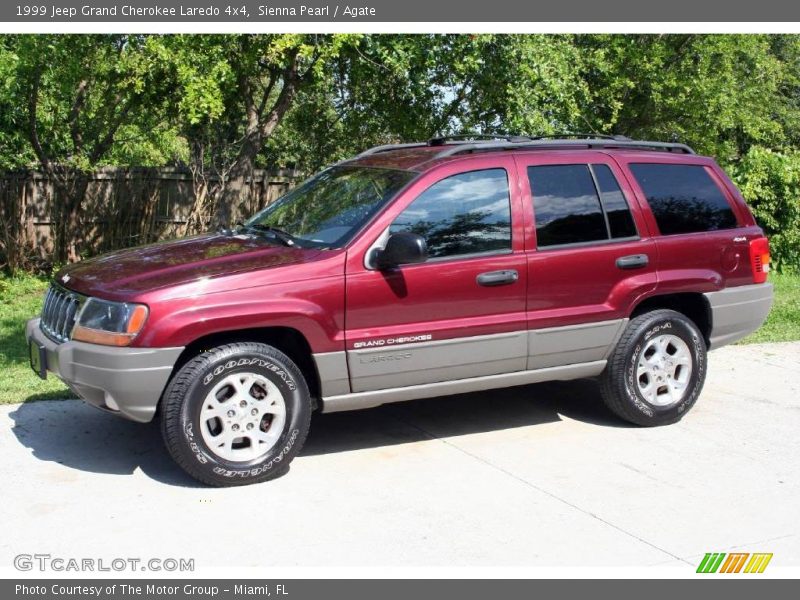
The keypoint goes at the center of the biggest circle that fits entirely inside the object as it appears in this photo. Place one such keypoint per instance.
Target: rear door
(461, 314)
(591, 256)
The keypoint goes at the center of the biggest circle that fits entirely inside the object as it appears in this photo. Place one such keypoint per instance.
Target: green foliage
(215, 80)
(718, 93)
(97, 99)
(770, 181)
(219, 103)
(783, 321)
(529, 84)
(14, 148)
(20, 299)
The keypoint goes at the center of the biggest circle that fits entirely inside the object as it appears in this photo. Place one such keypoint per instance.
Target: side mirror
(402, 248)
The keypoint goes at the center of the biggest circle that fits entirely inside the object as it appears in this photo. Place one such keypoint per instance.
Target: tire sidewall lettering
(261, 469)
(194, 442)
(249, 362)
(697, 347)
(194, 447)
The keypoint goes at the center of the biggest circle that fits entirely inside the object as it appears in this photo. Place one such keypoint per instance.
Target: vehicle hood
(165, 264)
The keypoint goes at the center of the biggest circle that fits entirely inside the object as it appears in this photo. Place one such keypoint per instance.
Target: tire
(250, 390)
(646, 381)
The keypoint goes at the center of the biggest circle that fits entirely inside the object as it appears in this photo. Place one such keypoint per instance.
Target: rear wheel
(236, 414)
(657, 370)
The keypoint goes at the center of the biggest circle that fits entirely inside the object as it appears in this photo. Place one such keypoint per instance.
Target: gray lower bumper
(125, 381)
(738, 311)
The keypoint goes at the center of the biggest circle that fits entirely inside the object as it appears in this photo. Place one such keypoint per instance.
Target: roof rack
(475, 137)
(388, 147)
(564, 136)
(443, 140)
(591, 144)
(463, 144)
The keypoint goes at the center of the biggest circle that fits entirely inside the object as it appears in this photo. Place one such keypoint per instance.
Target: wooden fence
(122, 207)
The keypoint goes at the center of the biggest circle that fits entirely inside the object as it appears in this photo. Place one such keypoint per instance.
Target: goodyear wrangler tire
(657, 370)
(237, 414)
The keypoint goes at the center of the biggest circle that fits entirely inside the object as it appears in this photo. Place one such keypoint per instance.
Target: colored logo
(734, 562)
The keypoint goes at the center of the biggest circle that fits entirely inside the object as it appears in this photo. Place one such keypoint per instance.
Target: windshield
(328, 209)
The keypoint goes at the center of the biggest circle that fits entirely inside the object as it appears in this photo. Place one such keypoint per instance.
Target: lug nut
(243, 403)
(231, 413)
(249, 426)
(235, 427)
(254, 412)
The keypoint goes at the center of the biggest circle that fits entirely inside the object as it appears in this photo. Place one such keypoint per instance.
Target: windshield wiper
(282, 236)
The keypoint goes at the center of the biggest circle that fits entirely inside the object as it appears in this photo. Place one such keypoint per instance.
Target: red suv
(413, 271)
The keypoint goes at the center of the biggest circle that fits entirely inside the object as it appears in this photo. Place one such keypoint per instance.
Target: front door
(461, 314)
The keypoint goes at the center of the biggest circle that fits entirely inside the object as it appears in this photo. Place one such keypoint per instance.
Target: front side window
(328, 209)
(683, 198)
(468, 213)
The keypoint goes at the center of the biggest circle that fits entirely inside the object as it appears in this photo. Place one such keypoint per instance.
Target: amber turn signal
(136, 321)
(98, 336)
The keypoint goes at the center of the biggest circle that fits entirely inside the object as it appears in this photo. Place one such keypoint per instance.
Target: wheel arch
(288, 340)
(693, 305)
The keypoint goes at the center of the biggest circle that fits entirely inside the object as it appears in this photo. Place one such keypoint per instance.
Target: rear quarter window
(683, 198)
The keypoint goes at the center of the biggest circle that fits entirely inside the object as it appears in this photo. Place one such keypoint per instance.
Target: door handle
(633, 261)
(492, 278)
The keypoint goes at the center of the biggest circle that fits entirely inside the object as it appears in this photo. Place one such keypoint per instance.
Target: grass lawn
(21, 298)
(783, 322)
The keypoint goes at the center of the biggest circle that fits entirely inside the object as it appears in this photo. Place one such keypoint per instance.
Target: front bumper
(124, 381)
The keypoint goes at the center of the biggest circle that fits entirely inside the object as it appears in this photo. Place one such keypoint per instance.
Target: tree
(76, 94)
(227, 104)
(718, 93)
(771, 183)
(232, 94)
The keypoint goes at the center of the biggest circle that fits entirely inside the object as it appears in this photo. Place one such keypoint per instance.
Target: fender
(314, 307)
(630, 291)
(673, 281)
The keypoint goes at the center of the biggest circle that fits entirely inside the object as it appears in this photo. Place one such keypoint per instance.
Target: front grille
(60, 310)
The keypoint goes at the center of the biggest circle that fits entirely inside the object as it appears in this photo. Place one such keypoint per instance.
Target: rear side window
(683, 198)
(469, 213)
(575, 204)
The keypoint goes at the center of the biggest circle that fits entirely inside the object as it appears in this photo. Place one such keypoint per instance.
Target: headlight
(109, 323)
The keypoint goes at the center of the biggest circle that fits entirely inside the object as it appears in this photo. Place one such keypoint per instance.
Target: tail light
(759, 259)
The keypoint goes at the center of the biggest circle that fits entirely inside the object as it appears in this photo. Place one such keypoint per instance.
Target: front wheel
(236, 414)
(657, 370)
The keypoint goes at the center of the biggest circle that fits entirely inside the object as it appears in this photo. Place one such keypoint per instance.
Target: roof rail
(443, 140)
(476, 137)
(462, 144)
(591, 143)
(388, 147)
(589, 136)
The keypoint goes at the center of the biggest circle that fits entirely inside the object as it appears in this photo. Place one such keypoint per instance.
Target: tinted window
(328, 209)
(566, 207)
(463, 214)
(684, 198)
(620, 220)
